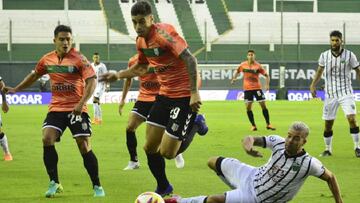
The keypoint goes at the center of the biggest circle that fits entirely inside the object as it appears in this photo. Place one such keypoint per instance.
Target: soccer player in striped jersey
(337, 64)
(173, 113)
(99, 68)
(3, 139)
(73, 81)
(277, 181)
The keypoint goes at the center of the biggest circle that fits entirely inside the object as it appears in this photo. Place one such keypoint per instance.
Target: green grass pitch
(25, 179)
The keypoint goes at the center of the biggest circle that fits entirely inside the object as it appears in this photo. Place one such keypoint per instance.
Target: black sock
(50, 158)
(91, 165)
(188, 139)
(251, 117)
(2, 135)
(131, 144)
(266, 116)
(157, 167)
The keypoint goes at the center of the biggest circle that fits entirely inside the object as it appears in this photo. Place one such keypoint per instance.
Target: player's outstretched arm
(90, 85)
(135, 70)
(249, 142)
(330, 178)
(315, 80)
(27, 82)
(267, 85)
(191, 64)
(4, 105)
(126, 88)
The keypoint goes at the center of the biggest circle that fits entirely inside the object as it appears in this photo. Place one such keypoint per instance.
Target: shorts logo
(174, 127)
(84, 126)
(186, 124)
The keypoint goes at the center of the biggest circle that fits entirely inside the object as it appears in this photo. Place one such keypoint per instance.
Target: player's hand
(5, 108)
(232, 81)
(253, 152)
(195, 101)
(78, 109)
(121, 106)
(9, 90)
(108, 77)
(313, 91)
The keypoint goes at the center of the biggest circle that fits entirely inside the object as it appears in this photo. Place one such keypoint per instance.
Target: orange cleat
(96, 121)
(253, 128)
(270, 127)
(8, 157)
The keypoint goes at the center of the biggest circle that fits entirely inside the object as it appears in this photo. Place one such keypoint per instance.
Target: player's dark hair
(251, 51)
(141, 8)
(96, 53)
(62, 28)
(336, 33)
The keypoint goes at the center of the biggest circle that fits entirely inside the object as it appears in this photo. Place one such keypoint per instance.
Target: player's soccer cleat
(173, 199)
(357, 152)
(253, 128)
(53, 189)
(8, 157)
(96, 121)
(132, 165)
(200, 121)
(270, 127)
(179, 161)
(167, 191)
(99, 191)
(326, 153)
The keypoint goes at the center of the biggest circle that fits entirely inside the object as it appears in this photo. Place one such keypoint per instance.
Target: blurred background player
(101, 87)
(43, 80)
(3, 139)
(172, 115)
(337, 63)
(278, 180)
(252, 87)
(148, 90)
(73, 81)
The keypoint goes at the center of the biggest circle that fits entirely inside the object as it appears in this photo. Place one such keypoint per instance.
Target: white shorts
(240, 176)
(99, 90)
(331, 106)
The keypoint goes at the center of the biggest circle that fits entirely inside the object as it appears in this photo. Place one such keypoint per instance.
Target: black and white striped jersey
(337, 72)
(282, 176)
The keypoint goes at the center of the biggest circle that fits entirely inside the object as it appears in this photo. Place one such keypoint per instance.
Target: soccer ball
(149, 197)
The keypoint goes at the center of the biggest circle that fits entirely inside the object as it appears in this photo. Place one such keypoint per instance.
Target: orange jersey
(67, 78)
(161, 50)
(251, 75)
(149, 85)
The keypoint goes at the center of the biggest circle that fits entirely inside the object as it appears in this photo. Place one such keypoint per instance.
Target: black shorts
(175, 115)
(250, 94)
(142, 108)
(78, 125)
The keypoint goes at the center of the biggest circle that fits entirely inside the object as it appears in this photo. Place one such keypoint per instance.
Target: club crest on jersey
(156, 52)
(71, 69)
(84, 126)
(174, 127)
(295, 166)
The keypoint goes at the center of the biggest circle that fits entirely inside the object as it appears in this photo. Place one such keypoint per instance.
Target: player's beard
(336, 48)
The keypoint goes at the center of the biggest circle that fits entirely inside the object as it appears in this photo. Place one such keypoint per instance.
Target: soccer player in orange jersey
(3, 139)
(73, 81)
(174, 110)
(252, 87)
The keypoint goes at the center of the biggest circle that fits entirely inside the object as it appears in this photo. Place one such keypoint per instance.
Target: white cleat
(179, 161)
(132, 165)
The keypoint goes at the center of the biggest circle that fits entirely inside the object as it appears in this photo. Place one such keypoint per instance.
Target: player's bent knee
(149, 149)
(168, 154)
(212, 162)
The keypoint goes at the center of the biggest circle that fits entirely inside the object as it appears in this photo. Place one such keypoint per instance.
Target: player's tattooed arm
(315, 80)
(330, 178)
(191, 64)
(249, 142)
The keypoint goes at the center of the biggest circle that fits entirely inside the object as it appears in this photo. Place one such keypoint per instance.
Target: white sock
(199, 199)
(328, 141)
(355, 137)
(4, 144)
(99, 112)
(96, 110)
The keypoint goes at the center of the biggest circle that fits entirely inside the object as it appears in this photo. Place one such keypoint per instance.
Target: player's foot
(132, 165)
(99, 191)
(173, 199)
(253, 128)
(326, 153)
(200, 121)
(53, 189)
(96, 121)
(270, 127)
(357, 152)
(8, 157)
(179, 161)
(167, 191)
